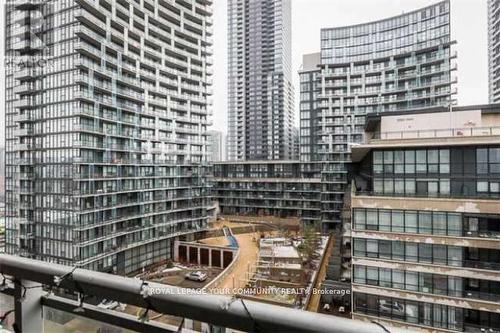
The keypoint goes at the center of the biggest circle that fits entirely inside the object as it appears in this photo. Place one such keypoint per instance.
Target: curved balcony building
(396, 64)
(106, 114)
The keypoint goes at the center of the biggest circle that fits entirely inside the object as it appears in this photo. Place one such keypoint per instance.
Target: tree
(309, 244)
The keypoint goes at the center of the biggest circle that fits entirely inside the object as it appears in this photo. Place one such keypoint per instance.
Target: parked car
(196, 276)
(108, 304)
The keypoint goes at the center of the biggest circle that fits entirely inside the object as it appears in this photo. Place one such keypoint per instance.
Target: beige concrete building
(426, 220)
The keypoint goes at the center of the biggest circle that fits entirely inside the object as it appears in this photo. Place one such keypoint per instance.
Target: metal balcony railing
(438, 133)
(222, 311)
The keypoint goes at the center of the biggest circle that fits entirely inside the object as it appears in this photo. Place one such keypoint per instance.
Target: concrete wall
(485, 243)
(465, 272)
(429, 298)
(438, 120)
(483, 206)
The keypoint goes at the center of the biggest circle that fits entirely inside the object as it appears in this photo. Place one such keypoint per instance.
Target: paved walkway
(314, 301)
(249, 251)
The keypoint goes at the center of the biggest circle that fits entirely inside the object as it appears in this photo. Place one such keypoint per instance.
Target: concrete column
(187, 253)
(199, 255)
(28, 312)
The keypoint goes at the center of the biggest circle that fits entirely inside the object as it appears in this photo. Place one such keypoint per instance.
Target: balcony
(23, 117)
(22, 31)
(25, 89)
(86, 17)
(23, 132)
(28, 4)
(26, 73)
(26, 278)
(27, 45)
(439, 133)
(24, 147)
(23, 103)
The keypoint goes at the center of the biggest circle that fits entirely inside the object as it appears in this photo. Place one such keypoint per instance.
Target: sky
(468, 25)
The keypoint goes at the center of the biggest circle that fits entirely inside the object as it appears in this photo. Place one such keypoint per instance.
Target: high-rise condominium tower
(260, 90)
(396, 64)
(106, 114)
(216, 149)
(494, 50)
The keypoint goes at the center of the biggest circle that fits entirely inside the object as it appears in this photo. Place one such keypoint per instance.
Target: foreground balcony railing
(30, 275)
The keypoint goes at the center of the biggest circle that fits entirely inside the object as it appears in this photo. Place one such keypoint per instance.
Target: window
(410, 186)
(454, 256)
(378, 162)
(482, 161)
(482, 186)
(444, 186)
(421, 161)
(454, 224)
(397, 221)
(411, 281)
(411, 252)
(399, 162)
(388, 161)
(372, 248)
(398, 250)
(399, 186)
(439, 252)
(425, 283)
(425, 253)
(440, 284)
(359, 247)
(360, 274)
(372, 275)
(444, 161)
(412, 312)
(398, 279)
(424, 223)
(384, 217)
(411, 222)
(359, 219)
(371, 220)
(432, 188)
(432, 161)
(410, 161)
(455, 286)
(384, 249)
(439, 223)
(388, 186)
(494, 160)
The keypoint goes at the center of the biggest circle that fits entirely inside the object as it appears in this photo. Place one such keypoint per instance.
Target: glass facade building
(400, 63)
(107, 105)
(260, 92)
(283, 189)
(216, 146)
(425, 220)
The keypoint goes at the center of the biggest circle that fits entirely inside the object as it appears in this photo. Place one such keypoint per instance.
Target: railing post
(28, 306)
